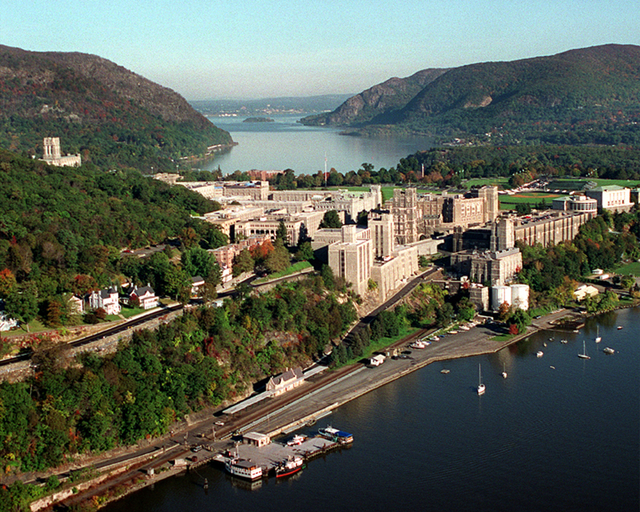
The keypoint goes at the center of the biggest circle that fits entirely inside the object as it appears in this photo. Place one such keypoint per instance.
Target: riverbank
(337, 388)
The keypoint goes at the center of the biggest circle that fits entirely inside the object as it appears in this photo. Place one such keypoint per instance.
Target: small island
(258, 120)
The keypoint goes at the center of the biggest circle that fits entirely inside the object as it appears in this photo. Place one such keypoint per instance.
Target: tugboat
(296, 440)
(289, 466)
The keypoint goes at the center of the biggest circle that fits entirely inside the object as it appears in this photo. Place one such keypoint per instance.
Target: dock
(269, 456)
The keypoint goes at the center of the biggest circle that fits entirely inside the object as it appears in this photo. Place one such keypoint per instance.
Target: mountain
(109, 114)
(590, 95)
(383, 98)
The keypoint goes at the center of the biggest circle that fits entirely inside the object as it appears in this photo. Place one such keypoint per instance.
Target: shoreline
(480, 347)
(481, 343)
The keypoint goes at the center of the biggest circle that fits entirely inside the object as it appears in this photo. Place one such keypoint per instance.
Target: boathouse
(257, 439)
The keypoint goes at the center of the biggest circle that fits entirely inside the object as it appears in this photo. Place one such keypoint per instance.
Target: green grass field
(630, 269)
(533, 198)
(481, 182)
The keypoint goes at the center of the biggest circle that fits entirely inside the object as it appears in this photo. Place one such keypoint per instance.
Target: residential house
(76, 305)
(106, 299)
(197, 286)
(146, 297)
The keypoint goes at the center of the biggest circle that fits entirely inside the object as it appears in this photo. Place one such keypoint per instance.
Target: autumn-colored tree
(7, 282)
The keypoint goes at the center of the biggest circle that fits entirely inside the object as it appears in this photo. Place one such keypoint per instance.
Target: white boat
(539, 353)
(333, 434)
(598, 337)
(564, 342)
(243, 469)
(289, 466)
(504, 371)
(481, 387)
(445, 370)
(619, 327)
(296, 440)
(608, 350)
(419, 344)
(584, 355)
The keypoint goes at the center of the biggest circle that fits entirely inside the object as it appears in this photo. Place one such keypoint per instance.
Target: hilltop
(107, 113)
(589, 95)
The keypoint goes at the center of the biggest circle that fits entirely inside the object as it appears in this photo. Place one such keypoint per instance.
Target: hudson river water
(559, 434)
(286, 144)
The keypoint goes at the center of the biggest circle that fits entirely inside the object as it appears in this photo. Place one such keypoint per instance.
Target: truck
(377, 360)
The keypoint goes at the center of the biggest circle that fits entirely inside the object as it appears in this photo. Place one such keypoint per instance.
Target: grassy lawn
(579, 183)
(381, 344)
(533, 198)
(630, 269)
(128, 312)
(481, 182)
(296, 267)
(35, 326)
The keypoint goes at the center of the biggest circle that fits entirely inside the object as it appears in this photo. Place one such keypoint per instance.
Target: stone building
(404, 209)
(492, 267)
(352, 257)
(612, 198)
(551, 228)
(53, 154)
(577, 203)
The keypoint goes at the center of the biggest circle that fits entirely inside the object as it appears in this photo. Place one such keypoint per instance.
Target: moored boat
(584, 355)
(289, 466)
(539, 353)
(419, 344)
(296, 440)
(481, 387)
(608, 350)
(333, 434)
(243, 469)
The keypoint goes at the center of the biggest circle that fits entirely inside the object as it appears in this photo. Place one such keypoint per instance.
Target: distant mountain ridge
(97, 107)
(384, 98)
(586, 94)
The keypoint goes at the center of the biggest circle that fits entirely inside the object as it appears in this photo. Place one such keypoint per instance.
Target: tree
(278, 259)
(22, 304)
(331, 219)
(198, 262)
(7, 282)
(305, 252)
(282, 234)
(243, 262)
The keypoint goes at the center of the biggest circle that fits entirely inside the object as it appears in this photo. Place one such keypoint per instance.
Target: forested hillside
(589, 95)
(109, 115)
(63, 229)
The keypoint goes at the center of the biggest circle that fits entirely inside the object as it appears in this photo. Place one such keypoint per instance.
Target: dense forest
(200, 359)
(111, 116)
(68, 230)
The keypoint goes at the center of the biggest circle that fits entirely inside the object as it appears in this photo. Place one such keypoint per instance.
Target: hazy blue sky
(256, 49)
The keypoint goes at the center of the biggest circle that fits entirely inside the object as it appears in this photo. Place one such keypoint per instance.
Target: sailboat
(584, 351)
(598, 337)
(481, 386)
(504, 371)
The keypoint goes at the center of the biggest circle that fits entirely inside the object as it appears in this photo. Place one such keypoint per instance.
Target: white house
(145, 295)
(76, 305)
(6, 322)
(197, 284)
(106, 299)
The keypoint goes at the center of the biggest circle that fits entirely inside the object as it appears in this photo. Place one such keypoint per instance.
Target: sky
(263, 49)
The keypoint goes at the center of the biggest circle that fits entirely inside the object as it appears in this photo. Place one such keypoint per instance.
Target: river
(287, 144)
(559, 434)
